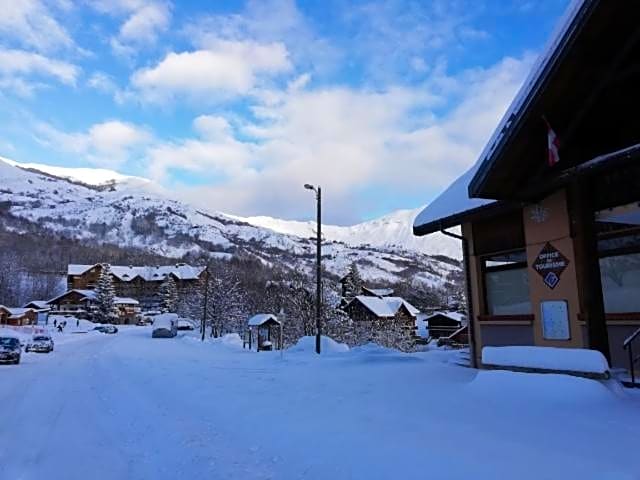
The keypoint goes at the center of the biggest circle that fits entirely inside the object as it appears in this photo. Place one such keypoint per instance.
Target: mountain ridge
(126, 215)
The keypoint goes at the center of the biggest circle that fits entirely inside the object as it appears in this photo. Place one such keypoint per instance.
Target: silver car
(40, 344)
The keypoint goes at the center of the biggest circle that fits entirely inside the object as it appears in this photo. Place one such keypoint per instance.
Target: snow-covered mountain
(107, 207)
(390, 231)
(89, 176)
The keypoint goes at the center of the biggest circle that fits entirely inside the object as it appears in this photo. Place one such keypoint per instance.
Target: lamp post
(318, 192)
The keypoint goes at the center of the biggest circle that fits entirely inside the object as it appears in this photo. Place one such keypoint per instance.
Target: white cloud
(102, 82)
(144, 21)
(108, 144)
(31, 24)
(227, 68)
(23, 71)
(390, 141)
(393, 37)
(216, 152)
(269, 21)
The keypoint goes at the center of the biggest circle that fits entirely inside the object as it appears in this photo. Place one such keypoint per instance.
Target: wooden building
(550, 213)
(17, 316)
(42, 310)
(365, 308)
(81, 304)
(139, 282)
(443, 324)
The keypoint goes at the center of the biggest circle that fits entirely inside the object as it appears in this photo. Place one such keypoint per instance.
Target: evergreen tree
(168, 295)
(352, 284)
(105, 297)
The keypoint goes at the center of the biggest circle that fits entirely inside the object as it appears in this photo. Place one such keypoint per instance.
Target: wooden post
(588, 265)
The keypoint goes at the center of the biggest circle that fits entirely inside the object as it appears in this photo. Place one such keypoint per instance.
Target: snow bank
(7, 332)
(230, 340)
(549, 358)
(327, 345)
(514, 389)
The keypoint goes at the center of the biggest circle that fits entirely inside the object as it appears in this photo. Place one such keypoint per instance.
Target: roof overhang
(586, 88)
(475, 214)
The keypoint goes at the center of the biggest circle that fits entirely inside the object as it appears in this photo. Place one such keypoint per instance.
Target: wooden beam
(588, 264)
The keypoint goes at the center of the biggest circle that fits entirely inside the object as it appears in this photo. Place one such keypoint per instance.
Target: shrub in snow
(327, 345)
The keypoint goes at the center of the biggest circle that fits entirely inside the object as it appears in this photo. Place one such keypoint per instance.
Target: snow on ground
(127, 406)
(550, 358)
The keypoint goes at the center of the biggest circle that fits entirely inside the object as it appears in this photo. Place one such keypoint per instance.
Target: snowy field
(127, 406)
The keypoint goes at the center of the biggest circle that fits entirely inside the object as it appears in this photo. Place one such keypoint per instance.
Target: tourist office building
(550, 213)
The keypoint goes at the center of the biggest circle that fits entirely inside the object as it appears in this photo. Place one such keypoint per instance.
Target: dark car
(10, 350)
(41, 344)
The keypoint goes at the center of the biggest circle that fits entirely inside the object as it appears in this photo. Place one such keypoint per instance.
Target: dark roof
(586, 89)
(455, 205)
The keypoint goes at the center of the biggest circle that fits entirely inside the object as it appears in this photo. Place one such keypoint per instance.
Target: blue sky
(233, 105)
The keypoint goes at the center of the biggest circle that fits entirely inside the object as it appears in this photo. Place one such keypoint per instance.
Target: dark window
(506, 281)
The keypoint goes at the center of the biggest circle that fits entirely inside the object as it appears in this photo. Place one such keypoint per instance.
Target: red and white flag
(553, 145)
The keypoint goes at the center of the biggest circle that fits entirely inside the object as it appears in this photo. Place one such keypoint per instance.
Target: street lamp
(318, 192)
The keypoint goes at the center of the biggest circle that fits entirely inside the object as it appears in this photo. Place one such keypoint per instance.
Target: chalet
(42, 310)
(443, 324)
(81, 303)
(139, 282)
(365, 308)
(17, 316)
(550, 213)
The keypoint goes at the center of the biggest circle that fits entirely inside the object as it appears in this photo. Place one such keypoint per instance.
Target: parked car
(165, 325)
(185, 325)
(10, 350)
(110, 329)
(40, 344)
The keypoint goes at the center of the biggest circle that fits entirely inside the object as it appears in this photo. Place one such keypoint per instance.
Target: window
(506, 283)
(621, 283)
(619, 250)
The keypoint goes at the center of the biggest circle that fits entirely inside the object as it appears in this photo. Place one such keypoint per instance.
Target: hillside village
(328, 328)
(133, 295)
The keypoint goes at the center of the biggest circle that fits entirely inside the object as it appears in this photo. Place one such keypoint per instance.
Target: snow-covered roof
(380, 292)
(181, 271)
(455, 200)
(125, 301)
(458, 317)
(39, 304)
(385, 307)
(18, 312)
(261, 319)
(87, 294)
(401, 301)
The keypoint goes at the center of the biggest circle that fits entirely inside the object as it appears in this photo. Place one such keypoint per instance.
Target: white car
(40, 343)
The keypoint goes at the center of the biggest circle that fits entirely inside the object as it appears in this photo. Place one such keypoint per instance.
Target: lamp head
(309, 187)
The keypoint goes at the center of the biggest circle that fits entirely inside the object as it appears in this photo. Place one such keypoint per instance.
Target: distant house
(42, 309)
(365, 308)
(17, 316)
(81, 303)
(377, 292)
(443, 324)
(139, 282)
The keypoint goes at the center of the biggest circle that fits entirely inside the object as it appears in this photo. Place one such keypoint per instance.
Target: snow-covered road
(130, 407)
